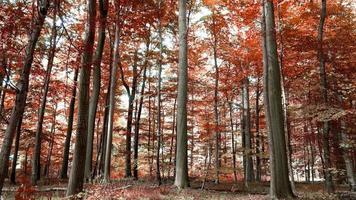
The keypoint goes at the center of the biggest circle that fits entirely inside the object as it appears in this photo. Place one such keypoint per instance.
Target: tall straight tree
(93, 104)
(76, 178)
(216, 101)
(324, 93)
(280, 186)
(64, 168)
(23, 84)
(36, 161)
(159, 101)
(138, 118)
(114, 68)
(181, 177)
(247, 133)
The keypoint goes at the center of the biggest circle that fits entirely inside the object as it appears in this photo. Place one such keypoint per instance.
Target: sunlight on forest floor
(130, 189)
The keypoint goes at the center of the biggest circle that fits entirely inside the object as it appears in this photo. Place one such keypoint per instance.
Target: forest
(177, 99)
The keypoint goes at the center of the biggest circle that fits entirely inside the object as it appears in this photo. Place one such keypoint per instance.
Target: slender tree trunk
(36, 161)
(50, 146)
(64, 168)
(106, 119)
(158, 173)
(346, 147)
(247, 133)
(21, 94)
(113, 82)
(173, 136)
(103, 8)
(216, 111)
(323, 85)
(76, 178)
(132, 96)
(16, 152)
(138, 118)
(233, 142)
(280, 184)
(181, 177)
(258, 137)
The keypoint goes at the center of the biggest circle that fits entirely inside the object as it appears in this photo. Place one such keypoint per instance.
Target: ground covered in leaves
(148, 189)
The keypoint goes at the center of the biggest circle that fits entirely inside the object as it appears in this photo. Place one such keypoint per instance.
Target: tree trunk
(50, 146)
(36, 161)
(113, 82)
(280, 185)
(158, 173)
(64, 167)
(247, 133)
(171, 158)
(138, 118)
(233, 142)
(103, 8)
(258, 137)
(76, 178)
(16, 152)
(323, 85)
(216, 111)
(21, 94)
(346, 147)
(181, 178)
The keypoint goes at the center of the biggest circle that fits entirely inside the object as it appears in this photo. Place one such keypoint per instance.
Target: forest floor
(145, 189)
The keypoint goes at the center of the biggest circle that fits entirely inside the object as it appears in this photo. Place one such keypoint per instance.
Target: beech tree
(181, 178)
(76, 177)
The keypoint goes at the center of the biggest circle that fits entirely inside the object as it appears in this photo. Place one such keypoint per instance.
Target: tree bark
(16, 152)
(113, 83)
(159, 101)
(181, 178)
(247, 133)
(138, 118)
(323, 85)
(21, 94)
(76, 178)
(280, 185)
(103, 8)
(36, 161)
(50, 146)
(64, 168)
(216, 111)
(233, 142)
(258, 136)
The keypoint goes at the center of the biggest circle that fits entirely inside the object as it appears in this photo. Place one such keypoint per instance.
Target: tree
(280, 186)
(323, 85)
(181, 178)
(21, 94)
(36, 161)
(112, 92)
(76, 178)
(103, 10)
(64, 168)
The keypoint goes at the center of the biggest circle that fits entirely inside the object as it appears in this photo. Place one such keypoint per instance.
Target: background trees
(135, 89)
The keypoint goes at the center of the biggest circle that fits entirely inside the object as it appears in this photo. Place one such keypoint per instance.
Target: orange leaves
(211, 2)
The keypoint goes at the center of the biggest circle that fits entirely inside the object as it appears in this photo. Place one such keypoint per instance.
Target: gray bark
(181, 177)
(280, 186)
(323, 85)
(103, 8)
(16, 152)
(64, 168)
(247, 132)
(36, 161)
(113, 83)
(76, 178)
